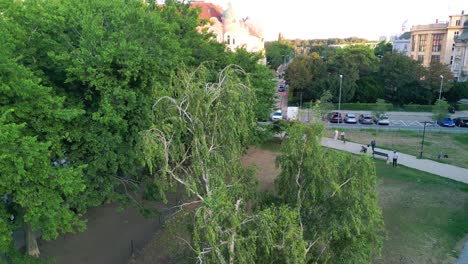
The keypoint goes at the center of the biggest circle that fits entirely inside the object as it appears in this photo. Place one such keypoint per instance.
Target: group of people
(372, 144)
(342, 136)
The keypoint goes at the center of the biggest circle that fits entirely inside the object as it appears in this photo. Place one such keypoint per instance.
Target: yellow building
(442, 42)
(428, 43)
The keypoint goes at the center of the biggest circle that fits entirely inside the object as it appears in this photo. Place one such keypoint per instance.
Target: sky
(369, 19)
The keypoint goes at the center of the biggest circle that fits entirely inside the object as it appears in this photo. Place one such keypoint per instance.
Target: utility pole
(339, 99)
(422, 142)
(441, 84)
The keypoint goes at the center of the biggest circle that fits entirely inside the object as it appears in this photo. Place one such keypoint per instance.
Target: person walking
(336, 135)
(372, 143)
(395, 158)
(343, 137)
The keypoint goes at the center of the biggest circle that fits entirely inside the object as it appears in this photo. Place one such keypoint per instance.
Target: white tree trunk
(31, 244)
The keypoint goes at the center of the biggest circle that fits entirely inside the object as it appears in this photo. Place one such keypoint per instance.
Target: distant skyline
(369, 19)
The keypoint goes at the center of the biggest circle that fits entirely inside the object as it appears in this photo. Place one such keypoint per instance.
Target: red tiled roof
(208, 10)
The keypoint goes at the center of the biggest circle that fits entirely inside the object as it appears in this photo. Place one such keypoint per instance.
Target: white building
(228, 28)
(460, 55)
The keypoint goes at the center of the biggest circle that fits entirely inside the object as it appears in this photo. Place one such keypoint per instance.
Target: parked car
(461, 121)
(336, 117)
(366, 119)
(350, 118)
(277, 115)
(282, 87)
(382, 120)
(446, 122)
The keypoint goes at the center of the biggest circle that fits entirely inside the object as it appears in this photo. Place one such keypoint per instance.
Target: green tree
(198, 136)
(335, 194)
(433, 80)
(276, 53)
(383, 48)
(107, 58)
(37, 195)
(401, 78)
(380, 108)
(35, 192)
(440, 110)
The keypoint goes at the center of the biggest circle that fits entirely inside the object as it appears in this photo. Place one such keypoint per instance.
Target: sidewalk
(437, 168)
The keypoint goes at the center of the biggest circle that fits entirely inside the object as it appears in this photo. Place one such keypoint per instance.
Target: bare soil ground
(108, 238)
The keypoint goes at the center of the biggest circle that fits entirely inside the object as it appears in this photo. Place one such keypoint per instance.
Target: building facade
(444, 42)
(460, 54)
(428, 43)
(229, 29)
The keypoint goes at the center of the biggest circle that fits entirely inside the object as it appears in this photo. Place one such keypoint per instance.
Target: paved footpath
(437, 168)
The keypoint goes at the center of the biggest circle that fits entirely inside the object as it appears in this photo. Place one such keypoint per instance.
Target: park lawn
(409, 142)
(425, 216)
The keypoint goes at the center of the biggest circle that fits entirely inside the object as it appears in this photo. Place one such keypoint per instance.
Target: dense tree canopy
(78, 80)
(335, 194)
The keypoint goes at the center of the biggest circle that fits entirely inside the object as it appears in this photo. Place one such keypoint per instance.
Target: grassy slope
(425, 216)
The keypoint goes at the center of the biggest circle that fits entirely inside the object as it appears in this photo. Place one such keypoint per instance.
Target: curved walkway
(434, 167)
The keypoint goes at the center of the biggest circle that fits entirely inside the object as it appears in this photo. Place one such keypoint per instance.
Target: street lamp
(441, 83)
(422, 142)
(339, 98)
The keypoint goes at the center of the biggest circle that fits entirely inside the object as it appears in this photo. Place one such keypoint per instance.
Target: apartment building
(441, 42)
(428, 43)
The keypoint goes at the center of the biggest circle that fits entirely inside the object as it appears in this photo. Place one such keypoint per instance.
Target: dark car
(461, 121)
(366, 119)
(446, 122)
(336, 118)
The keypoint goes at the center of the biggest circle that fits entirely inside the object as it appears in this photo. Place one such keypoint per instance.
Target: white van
(293, 113)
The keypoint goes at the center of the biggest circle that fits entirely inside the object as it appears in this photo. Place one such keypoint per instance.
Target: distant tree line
(369, 74)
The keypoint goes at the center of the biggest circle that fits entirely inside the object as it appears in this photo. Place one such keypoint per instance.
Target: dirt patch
(264, 163)
(109, 237)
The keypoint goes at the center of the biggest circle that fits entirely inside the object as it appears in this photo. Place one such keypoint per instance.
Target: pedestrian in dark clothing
(372, 143)
(395, 158)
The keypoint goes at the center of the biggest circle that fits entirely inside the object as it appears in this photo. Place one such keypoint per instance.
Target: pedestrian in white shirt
(395, 158)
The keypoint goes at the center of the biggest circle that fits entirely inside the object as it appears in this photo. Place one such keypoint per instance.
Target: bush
(462, 107)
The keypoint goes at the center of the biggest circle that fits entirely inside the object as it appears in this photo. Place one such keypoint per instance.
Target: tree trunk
(31, 244)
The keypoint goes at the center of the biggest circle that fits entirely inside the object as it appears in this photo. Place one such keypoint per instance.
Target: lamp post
(339, 98)
(422, 142)
(441, 84)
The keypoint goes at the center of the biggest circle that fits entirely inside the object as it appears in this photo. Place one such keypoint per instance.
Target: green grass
(409, 142)
(425, 215)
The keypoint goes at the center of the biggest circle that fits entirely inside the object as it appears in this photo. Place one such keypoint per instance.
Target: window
(413, 41)
(455, 35)
(453, 46)
(229, 40)
(209, 10)
(421, 58)
(451, 60)
(435, 58)
(437, 42)
(422, 43)
(233, 41)
(458, 22)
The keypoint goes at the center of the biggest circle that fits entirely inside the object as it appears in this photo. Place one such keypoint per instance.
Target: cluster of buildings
(444, 42)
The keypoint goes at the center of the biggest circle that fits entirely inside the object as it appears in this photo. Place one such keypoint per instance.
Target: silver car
(382, 120)
(350, 118)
